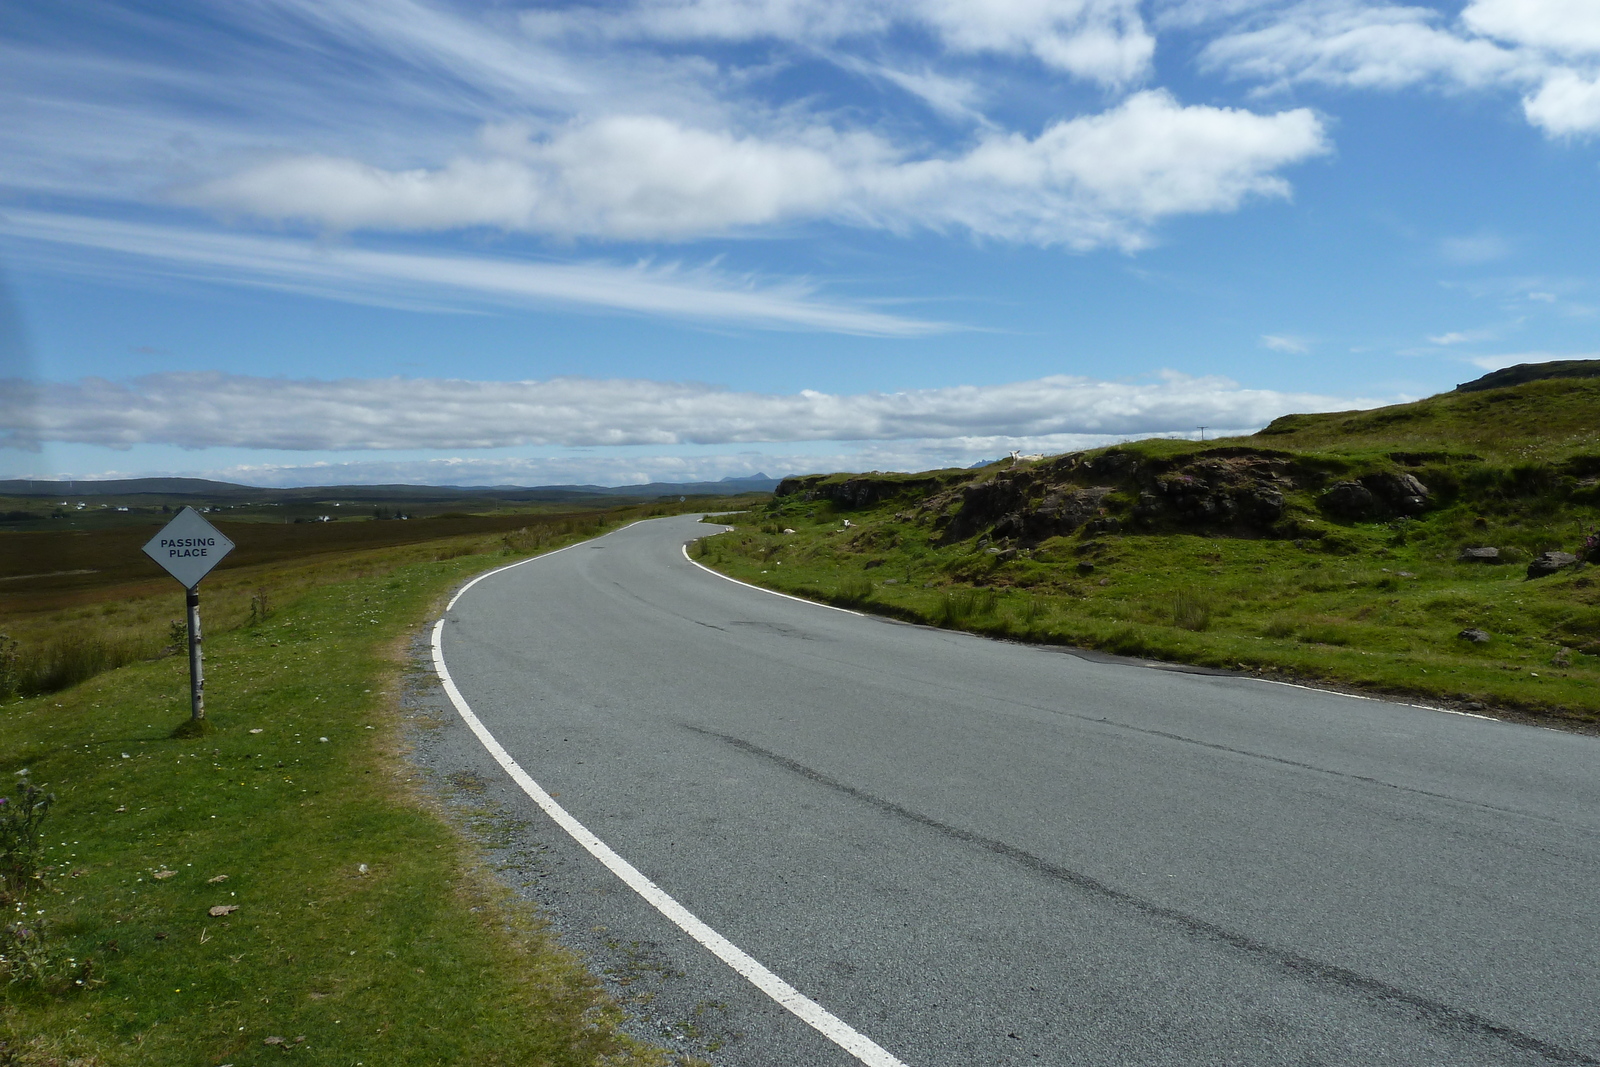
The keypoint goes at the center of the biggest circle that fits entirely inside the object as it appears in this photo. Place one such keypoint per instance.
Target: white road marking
(819, 1018)
(774, 592)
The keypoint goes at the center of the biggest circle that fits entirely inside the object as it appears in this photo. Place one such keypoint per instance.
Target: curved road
(976, 852)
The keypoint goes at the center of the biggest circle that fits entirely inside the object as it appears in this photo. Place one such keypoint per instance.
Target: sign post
(187, 548)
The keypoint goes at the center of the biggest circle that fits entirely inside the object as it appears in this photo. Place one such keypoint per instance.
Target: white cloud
(1101, 40)
(211, 410)
(1566, 26)
(592, 468)
(438, 282)
(1460, 337)
(1093, 181)
(1568, 103)
(1282, 343)
(1545, 49)
(623, 177)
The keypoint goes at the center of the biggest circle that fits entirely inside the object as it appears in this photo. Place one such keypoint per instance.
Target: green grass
(420, 959)
(1377, 606)
(1541, 421)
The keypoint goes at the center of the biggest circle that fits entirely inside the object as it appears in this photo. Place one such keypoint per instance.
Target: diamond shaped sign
(188, 547)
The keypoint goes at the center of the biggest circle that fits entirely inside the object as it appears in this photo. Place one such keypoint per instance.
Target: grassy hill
(1327, 547)
(1545, 421)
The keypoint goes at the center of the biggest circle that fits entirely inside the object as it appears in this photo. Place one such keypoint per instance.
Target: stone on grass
(1479, 555)
(1549, 563)
(219, 910)
(1476, 636)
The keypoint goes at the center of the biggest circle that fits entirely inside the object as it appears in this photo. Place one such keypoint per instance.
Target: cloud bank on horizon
(211, 410)
(744, 168)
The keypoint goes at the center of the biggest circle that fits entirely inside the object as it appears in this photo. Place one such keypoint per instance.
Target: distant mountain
(211, 490)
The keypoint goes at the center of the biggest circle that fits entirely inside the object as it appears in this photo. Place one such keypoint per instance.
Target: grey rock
(1401, 491)
(1350, 500)
(1479, 555)
(1476, 636)
(1549, 563)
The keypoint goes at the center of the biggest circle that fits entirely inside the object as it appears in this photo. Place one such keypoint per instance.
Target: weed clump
(29, 957)
(10, 674)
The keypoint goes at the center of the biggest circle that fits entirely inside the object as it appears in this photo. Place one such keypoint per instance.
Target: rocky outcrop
(1384, 495)
(1238, 490)
(859, 491)
(1230, 490)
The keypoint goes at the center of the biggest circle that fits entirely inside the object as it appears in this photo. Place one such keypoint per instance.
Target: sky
(289, 242)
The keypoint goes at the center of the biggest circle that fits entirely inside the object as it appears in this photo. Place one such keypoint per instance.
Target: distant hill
(201, 488)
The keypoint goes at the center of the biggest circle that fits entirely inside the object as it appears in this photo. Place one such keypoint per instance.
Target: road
(977, 852)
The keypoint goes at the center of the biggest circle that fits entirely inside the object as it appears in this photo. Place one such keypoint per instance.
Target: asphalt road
(977, 852)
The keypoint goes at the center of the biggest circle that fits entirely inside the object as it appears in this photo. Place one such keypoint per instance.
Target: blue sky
(312, 241)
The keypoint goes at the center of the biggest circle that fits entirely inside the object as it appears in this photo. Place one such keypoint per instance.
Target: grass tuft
(1191, 610)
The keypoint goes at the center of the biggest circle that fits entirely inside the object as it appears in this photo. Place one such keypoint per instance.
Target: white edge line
(774, 592)
(1269, 681)
(819, 1018)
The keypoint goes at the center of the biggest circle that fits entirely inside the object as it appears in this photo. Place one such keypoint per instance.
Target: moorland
(1436, 550)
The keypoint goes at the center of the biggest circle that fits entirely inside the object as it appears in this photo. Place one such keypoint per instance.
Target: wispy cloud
(209, 410)
(1461, 337)
(1283, 343)
(342, 272)
(1474, 249)
(1547, 50)
(633, 121)
(1101, 40)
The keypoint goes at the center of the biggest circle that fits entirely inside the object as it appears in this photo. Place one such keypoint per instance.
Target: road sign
(188, 547)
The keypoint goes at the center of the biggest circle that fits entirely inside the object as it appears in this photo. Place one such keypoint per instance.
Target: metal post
(197, 679)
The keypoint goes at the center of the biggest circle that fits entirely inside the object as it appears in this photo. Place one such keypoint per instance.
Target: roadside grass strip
(277, 888)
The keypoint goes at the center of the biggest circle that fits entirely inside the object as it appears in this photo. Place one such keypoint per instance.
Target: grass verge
(1384, 613)
(365, 931)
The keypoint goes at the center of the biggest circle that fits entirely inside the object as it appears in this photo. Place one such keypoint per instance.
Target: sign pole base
(196, 726)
